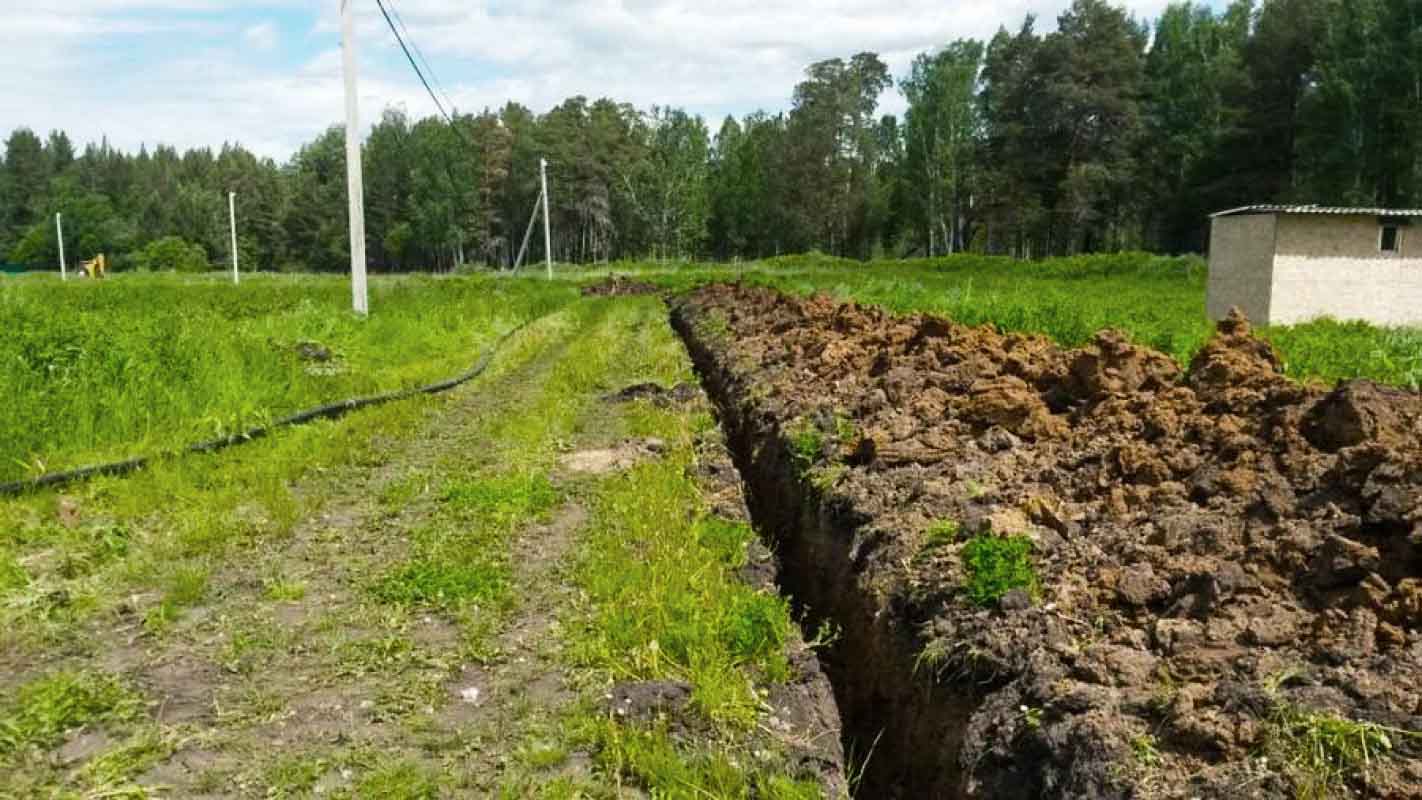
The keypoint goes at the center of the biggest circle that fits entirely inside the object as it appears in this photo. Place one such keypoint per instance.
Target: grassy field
(416, 601)
(147, 362)
(342, 587)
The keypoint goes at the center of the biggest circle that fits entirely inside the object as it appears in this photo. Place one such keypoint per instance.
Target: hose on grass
(327, 411)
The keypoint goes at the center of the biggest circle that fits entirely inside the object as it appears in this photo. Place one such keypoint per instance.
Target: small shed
(1289, 264)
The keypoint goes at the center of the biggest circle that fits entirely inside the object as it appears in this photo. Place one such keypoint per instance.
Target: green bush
(171, 254)
(997, 565)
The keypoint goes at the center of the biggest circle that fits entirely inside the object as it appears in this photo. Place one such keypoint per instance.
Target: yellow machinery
(96, 268)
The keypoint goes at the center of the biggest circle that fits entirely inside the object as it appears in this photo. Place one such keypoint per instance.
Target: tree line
(1106, 133)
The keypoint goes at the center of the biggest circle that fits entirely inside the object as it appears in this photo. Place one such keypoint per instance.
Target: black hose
(328, 411)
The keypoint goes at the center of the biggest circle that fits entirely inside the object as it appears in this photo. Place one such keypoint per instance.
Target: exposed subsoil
(1221, 551)
(619, 286)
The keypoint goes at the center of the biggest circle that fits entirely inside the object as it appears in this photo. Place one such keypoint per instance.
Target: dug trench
(1081, 573)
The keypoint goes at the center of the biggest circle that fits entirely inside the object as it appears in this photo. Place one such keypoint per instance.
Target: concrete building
(1288, 264)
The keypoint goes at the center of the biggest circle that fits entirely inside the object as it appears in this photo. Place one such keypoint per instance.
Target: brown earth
(1228, 559)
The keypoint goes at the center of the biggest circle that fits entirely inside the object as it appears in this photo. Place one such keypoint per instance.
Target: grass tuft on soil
(45, 709)
(1322, 753)
(997, 565)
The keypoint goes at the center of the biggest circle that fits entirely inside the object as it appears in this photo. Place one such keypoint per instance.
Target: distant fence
(13, 269)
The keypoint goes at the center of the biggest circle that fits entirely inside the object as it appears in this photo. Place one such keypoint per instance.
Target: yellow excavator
(97, 268)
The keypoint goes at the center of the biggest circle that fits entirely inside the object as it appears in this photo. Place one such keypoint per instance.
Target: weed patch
(443, 584)
(46, 708)
(997, 565)
(1321, 753)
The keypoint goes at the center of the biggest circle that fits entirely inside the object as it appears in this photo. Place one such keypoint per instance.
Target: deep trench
(902, 730)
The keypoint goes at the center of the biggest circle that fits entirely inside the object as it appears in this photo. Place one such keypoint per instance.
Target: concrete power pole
(59, 231)
(547, 231)
(355, 182)
(232, 219)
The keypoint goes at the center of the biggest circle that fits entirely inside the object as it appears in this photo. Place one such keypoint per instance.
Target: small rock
(1172, 634)
(470, 695)
(1139, 586)
(998, 439)
(1015, 600)
(1278, 628)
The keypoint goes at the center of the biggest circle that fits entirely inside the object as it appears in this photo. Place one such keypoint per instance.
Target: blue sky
(267, 73)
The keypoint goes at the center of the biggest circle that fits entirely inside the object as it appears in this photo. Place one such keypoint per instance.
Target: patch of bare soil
(603, 460)
(619, 286)
(656, 393)
(1222, 552)
(503, 701)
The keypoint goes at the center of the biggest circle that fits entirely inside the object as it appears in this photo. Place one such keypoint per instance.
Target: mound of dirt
(1228, 561)
(619, 286)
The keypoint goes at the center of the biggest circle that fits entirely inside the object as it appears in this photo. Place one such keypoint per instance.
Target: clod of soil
(654, 392)
(619, 286)
(648, 701)
(1225, 565)
(313, 351)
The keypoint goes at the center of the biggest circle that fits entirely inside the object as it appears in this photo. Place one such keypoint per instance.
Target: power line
(413, 65)
(414, 45)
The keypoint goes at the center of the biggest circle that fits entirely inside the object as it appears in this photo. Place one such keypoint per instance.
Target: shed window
(1389, 240)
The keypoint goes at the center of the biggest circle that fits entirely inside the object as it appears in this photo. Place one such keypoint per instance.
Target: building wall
(1331, 266)
(1241, 265)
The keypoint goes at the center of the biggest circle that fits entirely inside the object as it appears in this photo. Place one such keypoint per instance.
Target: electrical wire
(404, 48)
(414, 45)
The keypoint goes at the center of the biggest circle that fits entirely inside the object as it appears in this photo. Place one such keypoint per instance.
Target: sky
(267, 73)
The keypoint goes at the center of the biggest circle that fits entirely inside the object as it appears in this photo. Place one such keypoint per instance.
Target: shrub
(171, 254)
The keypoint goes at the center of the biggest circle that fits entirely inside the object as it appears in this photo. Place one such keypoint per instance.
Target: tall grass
(144, 362)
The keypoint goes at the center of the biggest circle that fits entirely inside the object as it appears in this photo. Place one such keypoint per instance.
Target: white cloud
(711, 58)
(262, 36)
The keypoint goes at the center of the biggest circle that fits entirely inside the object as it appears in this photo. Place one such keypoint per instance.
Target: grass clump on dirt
(941, 534)
(666, 603)
(46, 708)
(653, 758)
(997, 565)
(459, 557)
(1322, 753)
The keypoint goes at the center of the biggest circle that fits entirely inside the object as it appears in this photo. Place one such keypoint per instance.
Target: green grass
(399, 780)
(46, 708)
(941, 534)
(652, 758)
(997, 565)
(459, 558)
(1322, 753)
(142, 363)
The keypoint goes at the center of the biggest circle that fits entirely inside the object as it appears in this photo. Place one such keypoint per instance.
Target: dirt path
(452, 617)
(294, 658)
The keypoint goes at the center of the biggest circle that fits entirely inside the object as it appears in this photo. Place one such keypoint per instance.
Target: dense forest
(1107, 133)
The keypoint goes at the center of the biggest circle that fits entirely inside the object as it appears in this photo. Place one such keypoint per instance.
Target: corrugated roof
(1314, 209)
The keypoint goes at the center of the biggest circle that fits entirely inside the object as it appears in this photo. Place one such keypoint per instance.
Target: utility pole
(527, 234)
(355, 182)
(547, 231)
(232, 218)
(59, 231)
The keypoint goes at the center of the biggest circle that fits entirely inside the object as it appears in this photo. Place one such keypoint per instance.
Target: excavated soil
(1228, 560)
